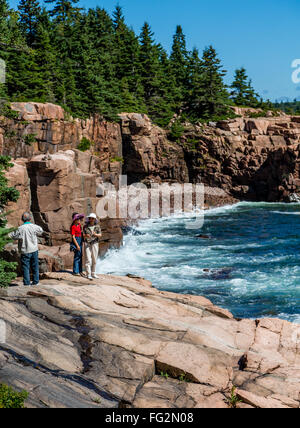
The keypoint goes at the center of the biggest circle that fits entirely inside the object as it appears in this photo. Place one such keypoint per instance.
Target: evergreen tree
(149, 63)
(4, 40)
(126, 62)
(209, 98)
(20, 76)
(118, 17)
(101, 33)
(19, 60)
(152, 70)
(29, 15)
(195, 70)
(169, 92)
(64, 10)
(7, 194)
(44, 60)
(179, 61)
(242, 92)
(4, 13)
(64, 38)
(97, 88)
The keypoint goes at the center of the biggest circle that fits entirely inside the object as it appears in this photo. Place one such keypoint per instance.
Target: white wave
(286, 212)
(221, 210)
(227, 209)
(294, 318)
(267, 204)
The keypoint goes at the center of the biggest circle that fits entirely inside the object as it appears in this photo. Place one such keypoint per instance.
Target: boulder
(148, 154)
(260, 125)
(38, 111)
(51, 259)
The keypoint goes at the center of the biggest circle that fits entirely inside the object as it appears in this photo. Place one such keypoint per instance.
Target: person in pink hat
(77, 243)
(92, 234)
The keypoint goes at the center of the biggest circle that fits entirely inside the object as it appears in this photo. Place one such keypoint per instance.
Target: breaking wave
(245, 258)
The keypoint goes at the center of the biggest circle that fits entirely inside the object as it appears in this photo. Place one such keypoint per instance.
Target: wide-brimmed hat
(92, 215)
(78, 217)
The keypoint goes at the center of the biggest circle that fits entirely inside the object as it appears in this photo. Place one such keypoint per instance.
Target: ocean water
(250, 264)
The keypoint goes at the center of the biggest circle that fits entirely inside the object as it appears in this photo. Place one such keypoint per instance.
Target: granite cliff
(248, 158)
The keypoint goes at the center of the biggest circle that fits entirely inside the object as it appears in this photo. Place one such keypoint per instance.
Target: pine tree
(100, 31)
(96, 86)
(4, 13)
(64, 10)
(179, 61)
(209, 98)
(195, 69)
(126, 62)
(45, 61)
(169, 92)
(19, 60)
(20, 76)
(159, 86)
(64, 38)
(4, 40)
(242, 92)
(149, 63)
(29, 15)
(194, 81)
(7, 194)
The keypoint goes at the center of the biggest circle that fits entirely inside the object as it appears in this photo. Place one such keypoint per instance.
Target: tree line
(289, 107)
(90, 62)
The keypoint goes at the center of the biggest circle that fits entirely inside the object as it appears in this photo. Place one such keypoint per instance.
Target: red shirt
(76, 230)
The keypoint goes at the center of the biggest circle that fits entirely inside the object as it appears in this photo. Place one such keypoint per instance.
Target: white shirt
(27, 236)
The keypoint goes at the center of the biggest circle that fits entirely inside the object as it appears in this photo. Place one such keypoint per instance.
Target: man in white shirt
(26, 235)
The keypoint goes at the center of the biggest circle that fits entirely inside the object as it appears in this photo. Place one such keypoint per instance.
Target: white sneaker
(95, 276)
(90, 277)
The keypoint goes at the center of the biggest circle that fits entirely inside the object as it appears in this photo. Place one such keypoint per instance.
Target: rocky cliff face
(148, 154)
(247, 158)
(121, 343)
(252, 159)
(42, 128)
(55, 179)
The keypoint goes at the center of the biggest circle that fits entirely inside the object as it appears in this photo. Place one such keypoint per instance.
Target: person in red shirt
(77, 243)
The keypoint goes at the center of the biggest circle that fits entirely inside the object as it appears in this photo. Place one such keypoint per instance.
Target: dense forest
(289, 107)
(91, 62)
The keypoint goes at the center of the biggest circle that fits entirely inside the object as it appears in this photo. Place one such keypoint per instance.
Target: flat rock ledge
(118, 342)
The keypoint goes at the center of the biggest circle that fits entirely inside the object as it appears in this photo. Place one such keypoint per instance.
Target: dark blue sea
(249, 261)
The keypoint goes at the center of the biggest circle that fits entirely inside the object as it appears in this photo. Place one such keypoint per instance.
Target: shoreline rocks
(119, 342)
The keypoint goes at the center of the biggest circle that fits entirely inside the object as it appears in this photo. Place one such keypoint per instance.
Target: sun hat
(92, 215)
(78, 217)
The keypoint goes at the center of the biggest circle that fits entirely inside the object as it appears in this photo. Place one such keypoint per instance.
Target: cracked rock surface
(119, 342)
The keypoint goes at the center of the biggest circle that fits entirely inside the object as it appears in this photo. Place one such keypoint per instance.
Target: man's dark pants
(30, 261)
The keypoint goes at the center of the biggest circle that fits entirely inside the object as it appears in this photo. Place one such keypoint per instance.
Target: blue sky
(261, 35)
